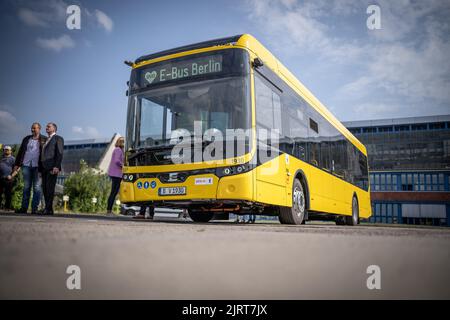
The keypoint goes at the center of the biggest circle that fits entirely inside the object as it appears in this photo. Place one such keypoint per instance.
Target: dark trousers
(144, 208)
(48, 188)
(115, 188)
(6, 187)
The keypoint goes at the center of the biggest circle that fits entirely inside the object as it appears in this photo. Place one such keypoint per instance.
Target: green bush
(81, 187)
(17, 192)
(18, 184)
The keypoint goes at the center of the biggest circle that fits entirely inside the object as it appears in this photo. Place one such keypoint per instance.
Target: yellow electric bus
(312, 167)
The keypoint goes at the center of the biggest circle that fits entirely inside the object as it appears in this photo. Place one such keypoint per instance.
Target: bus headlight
(128, 177)
(227, 171)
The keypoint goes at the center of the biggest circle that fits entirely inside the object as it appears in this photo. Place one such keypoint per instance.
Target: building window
(382, 182)
(407, 182)
(420, 126)
(437, 126)
(394, 182)
(368, 130)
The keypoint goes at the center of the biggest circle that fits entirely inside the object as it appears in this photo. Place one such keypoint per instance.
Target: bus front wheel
(199, 216)
(295, 214)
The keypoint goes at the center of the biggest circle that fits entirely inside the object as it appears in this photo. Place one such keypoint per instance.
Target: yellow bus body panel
(236, 187)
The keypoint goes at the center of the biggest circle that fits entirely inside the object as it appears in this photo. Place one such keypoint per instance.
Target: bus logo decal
(150, 76)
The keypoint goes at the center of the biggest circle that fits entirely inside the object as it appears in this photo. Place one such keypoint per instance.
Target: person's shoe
(35, 212)
(110, 214)
(21, 211)
(139, 216)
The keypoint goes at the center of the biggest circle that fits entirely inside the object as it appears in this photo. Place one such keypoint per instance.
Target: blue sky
(77, 78)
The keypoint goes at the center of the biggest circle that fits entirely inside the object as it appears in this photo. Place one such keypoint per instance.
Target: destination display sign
(182, 69)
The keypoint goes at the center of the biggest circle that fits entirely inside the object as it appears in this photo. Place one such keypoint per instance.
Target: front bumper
(199, 188)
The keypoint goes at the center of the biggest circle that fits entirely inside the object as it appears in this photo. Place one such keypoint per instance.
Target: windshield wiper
(144, 150)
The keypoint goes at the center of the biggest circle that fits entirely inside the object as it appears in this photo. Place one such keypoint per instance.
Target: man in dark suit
(51, 158)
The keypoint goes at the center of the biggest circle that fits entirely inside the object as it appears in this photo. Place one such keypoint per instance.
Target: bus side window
(268, 106)
(294, 124)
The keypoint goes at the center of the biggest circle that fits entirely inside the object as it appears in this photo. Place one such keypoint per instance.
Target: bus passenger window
(313, 125)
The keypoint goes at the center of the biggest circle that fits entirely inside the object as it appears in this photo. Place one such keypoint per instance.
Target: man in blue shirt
(6, 178)
(28, 158)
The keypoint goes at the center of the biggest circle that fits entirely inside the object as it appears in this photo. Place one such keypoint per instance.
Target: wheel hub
(299, 201)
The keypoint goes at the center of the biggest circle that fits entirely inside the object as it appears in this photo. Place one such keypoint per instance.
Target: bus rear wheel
(200, 216)
(295, 214)
(354, 219)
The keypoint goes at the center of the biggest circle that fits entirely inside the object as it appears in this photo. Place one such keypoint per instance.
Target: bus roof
(252, 44)
(199, 45)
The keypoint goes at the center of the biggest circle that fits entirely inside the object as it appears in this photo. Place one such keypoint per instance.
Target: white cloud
(43, 13)
(370, 110)
(104, 21)
(56, 44)
(400, 68)
(78, 130)
(86, 133)
(305, 27)
(32, 18)
(10, 128)
(52, 14)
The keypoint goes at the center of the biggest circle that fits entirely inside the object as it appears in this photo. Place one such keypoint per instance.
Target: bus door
(271, 171)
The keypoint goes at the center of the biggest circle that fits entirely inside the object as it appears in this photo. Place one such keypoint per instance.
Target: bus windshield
(209, 89)
(216, 103)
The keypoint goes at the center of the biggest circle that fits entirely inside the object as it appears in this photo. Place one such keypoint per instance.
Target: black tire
(340, 221)
(296, 213)
(199, 216)
(354, 219)
(129, 212)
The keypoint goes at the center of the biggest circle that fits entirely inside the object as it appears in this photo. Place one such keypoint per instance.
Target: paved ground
(121, 258)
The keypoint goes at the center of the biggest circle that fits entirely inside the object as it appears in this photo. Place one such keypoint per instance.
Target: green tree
(88, 183)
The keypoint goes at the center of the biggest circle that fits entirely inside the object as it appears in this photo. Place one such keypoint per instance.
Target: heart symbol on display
(150, 76)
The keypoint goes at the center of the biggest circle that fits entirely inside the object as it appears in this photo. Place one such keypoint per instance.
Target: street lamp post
(66, 200)
(117, 205)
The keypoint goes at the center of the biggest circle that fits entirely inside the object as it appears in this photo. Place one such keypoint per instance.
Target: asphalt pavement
(170, 258)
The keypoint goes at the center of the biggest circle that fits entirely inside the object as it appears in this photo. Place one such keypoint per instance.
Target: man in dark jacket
(28, 159)
(51, 158)
(6, 178)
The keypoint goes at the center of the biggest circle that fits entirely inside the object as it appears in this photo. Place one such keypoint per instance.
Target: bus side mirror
(126, 93)
(257, 63)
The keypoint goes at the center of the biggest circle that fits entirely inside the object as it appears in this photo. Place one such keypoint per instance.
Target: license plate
(172, 191)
